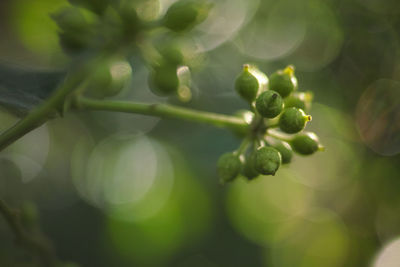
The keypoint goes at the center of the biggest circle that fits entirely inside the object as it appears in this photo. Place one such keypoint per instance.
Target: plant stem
(164, 111)
(243, 146)
(278, 135)
(42, 113)
(37, 244)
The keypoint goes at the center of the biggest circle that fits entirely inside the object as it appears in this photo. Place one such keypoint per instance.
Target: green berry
(285, 150)
(301, 100)
(267, 160)
(97, 6)
(249, 171)
(164, 80)
(228, 166)
(70, 19)
(293, 120)
(171, 54)
(269, 104)
(73, 43)
(75, 32)
(305, 143)
(108, 78)
(283, 81)
(130, 20)
(185, 14)
(247, 85)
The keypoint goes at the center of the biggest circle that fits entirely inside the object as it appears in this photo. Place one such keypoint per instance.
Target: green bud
(267, 160)
(171, 54)
(228, 167)
(283, 81)
(163, 80)
(246, 84)
(301, 100)
(285, 150)
(131, 22)
(70, 19)
(185, 14)
(73, 43)
(75, 31)
(269, 104)
(249, 171)
(108, 78)
(306, 143)
(97, 6)
(293, 120)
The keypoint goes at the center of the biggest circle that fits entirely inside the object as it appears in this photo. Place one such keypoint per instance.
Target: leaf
(21, 89)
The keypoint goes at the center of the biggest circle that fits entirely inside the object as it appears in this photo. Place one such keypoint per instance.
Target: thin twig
(163, 111)
(36, 243)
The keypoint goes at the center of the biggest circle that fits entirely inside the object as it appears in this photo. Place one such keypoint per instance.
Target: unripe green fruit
(305, 143)
(75, 32)
(171, 54)
(130, 20)
(301, 100)
(185, 14)
(283, 81)
(293, 120)
(285, 150)
(246, 84)
(249, 171)
(269, 104)
(267, 160)
(70, 19)
(228, 167)
(97, 6)
(108, 78)
(163, 80)
(73, 43)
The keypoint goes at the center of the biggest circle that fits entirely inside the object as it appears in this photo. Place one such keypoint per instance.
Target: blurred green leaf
(21, 89)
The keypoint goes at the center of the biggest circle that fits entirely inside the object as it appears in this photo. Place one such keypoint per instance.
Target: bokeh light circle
(30, 152)
(224, 21)
(276, 34)
(389, 256)
(258, 209)
(378, 117)
(123, 173)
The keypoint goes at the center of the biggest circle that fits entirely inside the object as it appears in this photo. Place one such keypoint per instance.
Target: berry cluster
(109, 30)
(275, 103)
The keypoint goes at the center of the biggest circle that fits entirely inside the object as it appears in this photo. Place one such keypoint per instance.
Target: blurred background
(130, 190)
